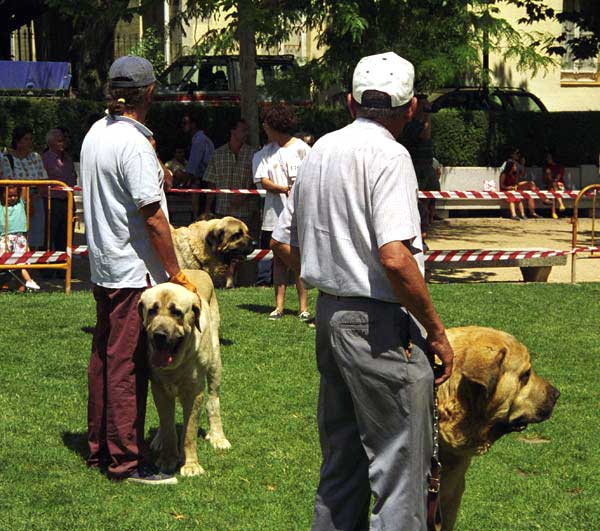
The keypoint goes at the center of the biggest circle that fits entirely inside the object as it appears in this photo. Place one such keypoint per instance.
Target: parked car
(215, 79)
(486, 99)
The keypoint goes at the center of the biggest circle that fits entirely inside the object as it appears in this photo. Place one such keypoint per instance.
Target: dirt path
(457, 233)
(504, 234)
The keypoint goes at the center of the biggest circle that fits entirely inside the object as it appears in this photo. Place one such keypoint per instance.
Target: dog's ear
(196, 310)
(214, 238)
(140, 309)
(483, 368)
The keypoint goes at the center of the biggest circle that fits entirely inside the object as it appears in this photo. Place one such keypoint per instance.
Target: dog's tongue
(162, 358)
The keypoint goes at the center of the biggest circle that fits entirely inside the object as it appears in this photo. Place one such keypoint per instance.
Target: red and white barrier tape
(451, 195)
(47, 257)
(423, 194)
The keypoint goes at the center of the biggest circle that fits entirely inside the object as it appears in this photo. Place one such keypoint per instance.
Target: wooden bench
(533, 269)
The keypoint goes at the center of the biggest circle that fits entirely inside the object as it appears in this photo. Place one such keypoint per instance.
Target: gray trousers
(374, 416)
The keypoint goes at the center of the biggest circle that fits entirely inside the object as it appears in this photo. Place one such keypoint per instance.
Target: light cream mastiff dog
(493, 391)
(211, 245)
(184, 355)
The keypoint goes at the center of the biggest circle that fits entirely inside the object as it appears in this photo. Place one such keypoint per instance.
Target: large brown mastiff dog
(492, 391)
(184, 355)
(212, 245)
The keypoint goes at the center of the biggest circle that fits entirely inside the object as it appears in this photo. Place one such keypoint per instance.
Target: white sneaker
(275, 315)
(32, 285)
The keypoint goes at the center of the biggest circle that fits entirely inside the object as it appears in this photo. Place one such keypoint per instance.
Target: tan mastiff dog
(492, 391)
(212, 245)
(184, 355)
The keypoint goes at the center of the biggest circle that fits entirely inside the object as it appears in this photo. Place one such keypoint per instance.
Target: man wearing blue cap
(130, 249)
(352, 225)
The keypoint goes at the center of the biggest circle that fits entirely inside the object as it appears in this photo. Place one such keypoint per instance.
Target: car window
(177, 74)
(522, 102)
(495, 102)
(211, 77)
(267, 78)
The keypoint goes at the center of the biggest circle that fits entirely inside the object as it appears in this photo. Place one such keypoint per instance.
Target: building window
(577, 70)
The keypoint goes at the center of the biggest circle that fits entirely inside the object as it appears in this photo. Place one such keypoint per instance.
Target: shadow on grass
(77, 443)
(262, 308)
(459, 276)
(88, 329)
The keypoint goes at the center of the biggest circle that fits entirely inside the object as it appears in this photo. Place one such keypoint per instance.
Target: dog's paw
(191, 469)
(218, 441)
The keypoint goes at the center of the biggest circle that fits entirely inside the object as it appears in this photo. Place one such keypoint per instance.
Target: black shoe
(150, 476)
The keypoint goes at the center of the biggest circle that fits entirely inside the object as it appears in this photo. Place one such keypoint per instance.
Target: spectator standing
(28, 165)
(416, 137)
(231, 167)
(13, 238)
(5, 167)
(278, 164)
(177, 167)
(353, 226)
(130, 249)
(554, 180)
(59, 167)
(201, 151)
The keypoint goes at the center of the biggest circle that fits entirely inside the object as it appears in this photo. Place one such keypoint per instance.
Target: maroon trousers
(117, 383)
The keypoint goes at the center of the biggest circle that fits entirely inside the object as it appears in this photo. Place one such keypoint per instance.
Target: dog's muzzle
(164, 349)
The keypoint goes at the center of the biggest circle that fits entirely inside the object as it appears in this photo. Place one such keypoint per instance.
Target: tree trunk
(249, 106)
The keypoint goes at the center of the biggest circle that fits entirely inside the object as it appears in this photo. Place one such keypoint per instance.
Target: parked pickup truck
(215, 79)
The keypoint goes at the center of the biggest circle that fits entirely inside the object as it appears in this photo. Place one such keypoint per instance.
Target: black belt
(355, 298)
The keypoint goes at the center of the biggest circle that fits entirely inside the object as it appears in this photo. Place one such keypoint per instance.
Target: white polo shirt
(280, 165)
(120, 174)
(355, 192)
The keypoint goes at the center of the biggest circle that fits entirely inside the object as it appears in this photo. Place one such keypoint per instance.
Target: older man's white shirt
(356, 192)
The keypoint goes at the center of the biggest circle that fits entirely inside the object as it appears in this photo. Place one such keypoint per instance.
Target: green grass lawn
(545, 478)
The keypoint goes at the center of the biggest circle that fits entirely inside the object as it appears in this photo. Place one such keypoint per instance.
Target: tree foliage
(443, 38)
(586, 45)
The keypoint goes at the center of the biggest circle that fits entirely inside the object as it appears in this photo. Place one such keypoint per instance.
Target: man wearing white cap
(130, 249)
(354, 221)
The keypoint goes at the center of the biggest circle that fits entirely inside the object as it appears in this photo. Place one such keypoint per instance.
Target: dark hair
(233, 123)
(125, 99)
(376, 105)
(281, 118)
(19, 132)
(3, 193)
(192, 118)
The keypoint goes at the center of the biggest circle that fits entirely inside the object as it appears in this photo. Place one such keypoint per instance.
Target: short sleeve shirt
(30, 168)
(120, 174)
(356, 191)
(280, 165)
(17, 218)
(227, 169)
(201, 151)
(5, 169)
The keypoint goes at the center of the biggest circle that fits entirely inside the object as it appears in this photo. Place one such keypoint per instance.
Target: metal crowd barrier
(588, 191)
(60, 259)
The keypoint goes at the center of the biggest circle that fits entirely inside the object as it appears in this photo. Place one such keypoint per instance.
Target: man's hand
(438, 345)
(181, 279)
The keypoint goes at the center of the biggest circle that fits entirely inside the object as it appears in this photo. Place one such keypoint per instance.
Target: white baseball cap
(384, 72)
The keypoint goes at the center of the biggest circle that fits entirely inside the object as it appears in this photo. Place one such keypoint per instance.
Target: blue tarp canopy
(34, 75)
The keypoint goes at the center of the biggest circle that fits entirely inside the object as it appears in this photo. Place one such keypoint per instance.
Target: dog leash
(434, 512)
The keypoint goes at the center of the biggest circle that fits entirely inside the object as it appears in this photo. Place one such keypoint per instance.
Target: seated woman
(554, 180)
(513, 171)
